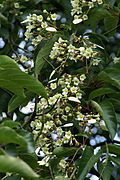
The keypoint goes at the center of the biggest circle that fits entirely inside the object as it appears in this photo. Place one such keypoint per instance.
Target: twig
(41, 126)
(73, 173)
(51, 172)
(111, 30)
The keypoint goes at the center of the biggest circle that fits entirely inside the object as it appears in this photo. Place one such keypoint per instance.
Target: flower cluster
(81, 8)
(40, 26)
(80, 50)
(64, 105)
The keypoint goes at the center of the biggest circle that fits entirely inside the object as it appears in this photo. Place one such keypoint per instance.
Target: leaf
(105, 170)
(13, 177)
(18, 80)
(16, 165)
(88, 164)
(2, 152)
(97, 107)
(116, 160)
(17, 101)
(44, 53)
(88, 152)
(107, 79)
(65, 151)
(29, 139)
(30, 159)
(10, 123)
(96, 15)
(116, 103)
(111, 22)
(8, 135)
(109, 117)
(100, 92)
(113, 149)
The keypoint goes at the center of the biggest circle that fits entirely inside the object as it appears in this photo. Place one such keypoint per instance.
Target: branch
(111, 30)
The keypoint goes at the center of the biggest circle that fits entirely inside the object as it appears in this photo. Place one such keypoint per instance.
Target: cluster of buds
(80, 50)
(40, 26)
(81, 8)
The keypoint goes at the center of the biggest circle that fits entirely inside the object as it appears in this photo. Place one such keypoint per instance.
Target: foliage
(59, 89)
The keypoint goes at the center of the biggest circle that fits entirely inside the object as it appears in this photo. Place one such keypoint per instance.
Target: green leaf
(96, 15)
(18, 80)
(97, 107)
(8, 135)
(100, 92)
(17, 101)
(116, 160)
(16, 165)
(10, 123)
(107, 79)
(88, 163)
(30, 159)
(111, 22)
(65, 151)
(2, 152)
(13, 177)
(88, 152)
(44, 53)
(105, 170)
(113, 149)
(28, 136)
(116, 103)
(109, 117)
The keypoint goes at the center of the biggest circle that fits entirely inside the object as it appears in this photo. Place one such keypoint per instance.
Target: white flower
(44, 25)
(59, 142)
(85, 17)
(49, 124)
(65, 91)
(23, 58)
(52, 100)
(43, 101)
(40, 18)
(65, 139)
(68, 134)
(82, 50)
(99, 1)
(51, 29)
(116, 60)
(67, 108)
(54, 17)
(73, 89)
(53, 85)
(62, 164)
(77, 21)
(80, 117)
(44, 161)
(16, 5)
(96, 62)
(82, 77)
(45, 11)
(71, 48)
(79, 95)
(76, 81)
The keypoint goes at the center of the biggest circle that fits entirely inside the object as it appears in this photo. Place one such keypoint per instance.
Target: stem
(111, 30)
(41, 127)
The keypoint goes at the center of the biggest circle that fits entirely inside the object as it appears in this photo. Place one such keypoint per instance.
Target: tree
(60, 60)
